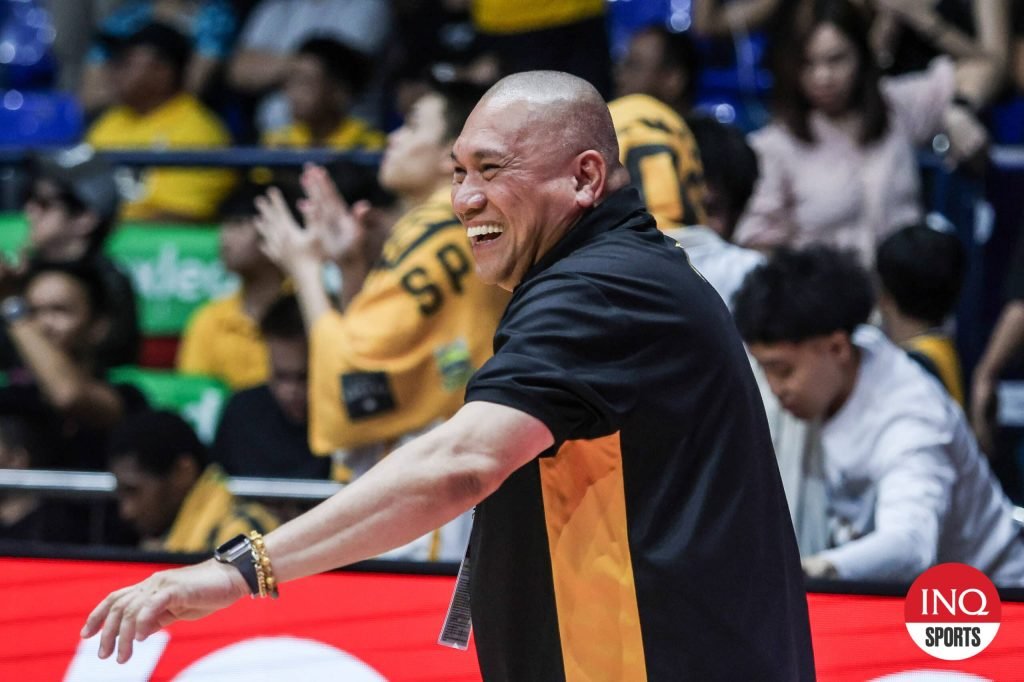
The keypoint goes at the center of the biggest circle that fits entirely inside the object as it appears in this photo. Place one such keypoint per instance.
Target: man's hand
(816, 567)
(284, 240)
(968, 138)
(134, 613)
(341, 231)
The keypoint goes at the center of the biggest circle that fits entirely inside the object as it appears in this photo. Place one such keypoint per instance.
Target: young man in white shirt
(907, 485)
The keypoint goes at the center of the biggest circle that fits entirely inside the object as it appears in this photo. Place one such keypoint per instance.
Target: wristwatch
(238, 552)
(14, 308)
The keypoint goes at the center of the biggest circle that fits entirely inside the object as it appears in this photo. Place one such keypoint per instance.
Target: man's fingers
(126, 636)
(153, 615)
(111, 626)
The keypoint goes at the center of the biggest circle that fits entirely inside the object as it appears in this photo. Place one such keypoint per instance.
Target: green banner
(174, 268)
(198, 399)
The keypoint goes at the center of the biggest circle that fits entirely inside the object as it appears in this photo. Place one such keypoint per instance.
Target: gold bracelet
(264, 571)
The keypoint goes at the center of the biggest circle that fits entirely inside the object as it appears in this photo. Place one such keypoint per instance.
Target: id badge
(457, 622)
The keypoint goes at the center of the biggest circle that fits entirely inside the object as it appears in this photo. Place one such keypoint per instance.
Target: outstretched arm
(419, 487)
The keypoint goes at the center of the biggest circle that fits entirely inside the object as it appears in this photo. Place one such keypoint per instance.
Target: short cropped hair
(155, 439)
(922, 270)
(283, 320)
(344, 66)
(800, 295)
(730, 164)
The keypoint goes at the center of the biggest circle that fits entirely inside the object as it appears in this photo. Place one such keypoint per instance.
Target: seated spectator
(528, 35)
(222, 339)
(153, 111)
(25, 516)
(906, 36)
(71, 208)
(263, 429)
(907, 485)
(276, 28)
(210, 25)
(170, 493)
(416, 321)
(730, 172)
(57, 329)
(921, 270)
(659, 152)
(324, 79)
(838, 164)
(662, 64)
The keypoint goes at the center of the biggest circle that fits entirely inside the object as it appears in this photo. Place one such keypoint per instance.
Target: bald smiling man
(630, 520)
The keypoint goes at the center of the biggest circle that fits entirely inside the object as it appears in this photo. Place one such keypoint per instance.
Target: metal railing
(101, 485)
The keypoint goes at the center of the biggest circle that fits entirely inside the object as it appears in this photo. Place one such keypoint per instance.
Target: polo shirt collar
(621, 208)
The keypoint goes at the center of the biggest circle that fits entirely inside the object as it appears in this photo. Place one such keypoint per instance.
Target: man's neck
(901, 328)
(323, 126)
(410, 200)
(259, 291)
(144, 108)
(850, 374)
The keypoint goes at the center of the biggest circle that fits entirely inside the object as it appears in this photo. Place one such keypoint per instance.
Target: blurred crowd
(777, 141)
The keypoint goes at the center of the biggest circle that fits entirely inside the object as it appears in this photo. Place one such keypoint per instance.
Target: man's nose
(468, 200)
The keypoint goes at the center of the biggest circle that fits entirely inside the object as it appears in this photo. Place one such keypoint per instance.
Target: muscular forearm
(417, 488)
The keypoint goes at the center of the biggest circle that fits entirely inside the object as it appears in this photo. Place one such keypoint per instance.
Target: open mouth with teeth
(479, 234)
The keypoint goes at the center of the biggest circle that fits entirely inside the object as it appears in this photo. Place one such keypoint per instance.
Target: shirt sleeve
(559, 359)
(193, 352)
(918, 100)
(769, 219)
(911, 504)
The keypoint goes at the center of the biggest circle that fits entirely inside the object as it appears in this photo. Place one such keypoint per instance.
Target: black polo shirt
(653, 541)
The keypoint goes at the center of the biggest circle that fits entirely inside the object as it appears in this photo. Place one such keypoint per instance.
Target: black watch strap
(238, 552)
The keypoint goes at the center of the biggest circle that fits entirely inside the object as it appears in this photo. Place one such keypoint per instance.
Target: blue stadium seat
(38, 118)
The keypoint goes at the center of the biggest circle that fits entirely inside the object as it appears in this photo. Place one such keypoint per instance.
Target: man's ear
(591, 175)
(185, 471)
(840, 346)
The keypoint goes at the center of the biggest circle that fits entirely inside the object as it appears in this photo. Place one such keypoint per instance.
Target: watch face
(232, 549)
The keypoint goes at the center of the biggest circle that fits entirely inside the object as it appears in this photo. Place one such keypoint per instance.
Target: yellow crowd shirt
(350, 134)
(399, 358)
(223, 342)
(939, 353)
(517, 16)
(211, 515)
(180, 123)
(661, 155)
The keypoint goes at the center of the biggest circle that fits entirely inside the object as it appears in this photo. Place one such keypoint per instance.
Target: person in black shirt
(630, 523)
(263, 429)
(57, 328)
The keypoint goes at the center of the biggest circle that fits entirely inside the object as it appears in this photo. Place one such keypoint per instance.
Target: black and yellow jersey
(661, 155)
(936, 352)
(652, 541)
(211, 515)
(398, 359)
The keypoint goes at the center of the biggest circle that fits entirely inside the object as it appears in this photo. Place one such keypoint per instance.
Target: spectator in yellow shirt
(416, 322)
(223, 337)
(153, 111)
(169, 492)
(323, 79)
